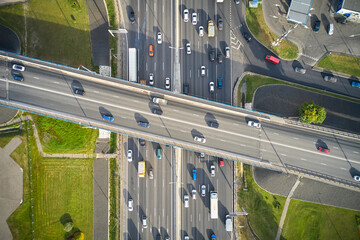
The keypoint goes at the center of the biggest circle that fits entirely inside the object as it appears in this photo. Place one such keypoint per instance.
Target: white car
(357, 178)
(18, 67)
(202, 71)
(129, 155)
(144, 222)
(167, 83)
(203, 190)
(212, 170)
(188, 49)
(194, 18)
(254, 124)
(130, 205)
(200, 139)
(186, 15)
(151, 79)
(159, 38)
(193, 193)
(212, 87)
(201, 31)
(186, 200)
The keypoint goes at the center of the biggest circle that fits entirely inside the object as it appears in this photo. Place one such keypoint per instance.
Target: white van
(331, 29)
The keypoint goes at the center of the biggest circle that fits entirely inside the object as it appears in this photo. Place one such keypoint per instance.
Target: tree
(312, 113)
(78, 236)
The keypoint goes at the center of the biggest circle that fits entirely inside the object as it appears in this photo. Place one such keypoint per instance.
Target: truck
(228, 223)
(219, 1)
(159, 101)
(213, 205)
(211, 28)
(141, 169)
(132, 65)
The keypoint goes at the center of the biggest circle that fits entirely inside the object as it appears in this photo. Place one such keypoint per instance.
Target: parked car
(331, 29)
(194, 18)
(201, 31)
(186, 15)
(129, 155)
(200, 139)
(342, 20)
(159, 38)
(300, 70)
(144, 124)
(18, 67)
(132, 17)
(151, 50)
(317, 26)
(79, 91)
(324, 149)
(254, 124)
(211, 87)
(203, 190)
(151, 79)
(246, 36)
(330, 79)
(18, 78)
(188, 49)
(167, 83)
(202, 71)
(107, 117)
(219, 83)
(355, 84)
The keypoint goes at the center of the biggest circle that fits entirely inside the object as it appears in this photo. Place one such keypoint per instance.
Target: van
(272, 59)
(331, 29)
(228, 223)
(158, 153)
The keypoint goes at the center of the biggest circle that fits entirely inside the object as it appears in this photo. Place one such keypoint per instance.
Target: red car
(221, 162)
(325, 150)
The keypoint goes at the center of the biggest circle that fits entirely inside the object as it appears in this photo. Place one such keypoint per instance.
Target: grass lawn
(59, 136)
(52, 30)
(256, 23)
(314, 221)
(264, 209)
(335, 62)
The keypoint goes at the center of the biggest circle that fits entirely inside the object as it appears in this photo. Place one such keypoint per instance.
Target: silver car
(167, 83)
(300, 70)
(188, 49)
(151, 79)
(212, 87)
(254, 124)
(129, 155)
(194, 18)
(203, 71)
(330, 79)
(159, 38)
(203, 190)
(201, 31)
(212, 170)
(186, 15)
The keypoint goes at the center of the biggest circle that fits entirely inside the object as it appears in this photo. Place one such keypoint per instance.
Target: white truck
(228, 223)
(159, 101)
(213, 205)
(132, 65)
(141, 169)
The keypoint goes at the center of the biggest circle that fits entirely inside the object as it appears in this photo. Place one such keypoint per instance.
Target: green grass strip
(336, 62)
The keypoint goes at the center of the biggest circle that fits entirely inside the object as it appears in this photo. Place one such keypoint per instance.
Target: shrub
(68, 226)
(312, 113)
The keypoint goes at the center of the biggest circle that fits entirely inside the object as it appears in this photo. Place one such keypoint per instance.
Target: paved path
(11, 186)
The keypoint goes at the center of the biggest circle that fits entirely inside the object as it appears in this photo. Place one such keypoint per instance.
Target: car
(194, 174)
(193, 194)
(186, 200)
(213, 237)
(18, 78)
(212, 170)
(151, 79)
(157, 111)
(331, 29)
(167, 83)
(317, 26)
(18, 67)
(108, 117)
(227, 52)
(188, 49)
(159, 38)
(151, 175)
(144, 124)
(144, 222)
(330, 79)
(220, 58)
(237, 1)
(272, 59)
(357, 178)
(203, 71)
(200, 139)
(158, 153)
(211, 87)
(79, 91)
(130, 204)
(355, 84)
(247, 36)
(132, 17)
(186, 88)
(212, 55)
(158, 237)
(254, 124)
(219, 83)
(341, 20)
(220, 23)
(324, 149)
(194, 18)
(186, 237)
(221, 162)
(186, 15)
(203, 190)
(201, 31)
(129, 155)
(167, 238)
(300, 70)
(142, 142)
(202, 155)
(213, 124)
(151, 50)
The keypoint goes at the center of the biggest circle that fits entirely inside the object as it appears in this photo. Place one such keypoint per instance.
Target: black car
(186, 88)
(317, 26)
(79, 92)
(157, 111)
(220, 24)
(212, 55)
(247, 36)
(132, 17)
(220, 58)
(213, 124)
(341, 20)
(141, 142)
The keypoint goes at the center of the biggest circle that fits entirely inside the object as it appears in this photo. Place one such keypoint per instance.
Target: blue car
(108, 117)
(219, 83)
(194, 174)
(144, 124)
(355, 84)
(213, 237)
(18, 78)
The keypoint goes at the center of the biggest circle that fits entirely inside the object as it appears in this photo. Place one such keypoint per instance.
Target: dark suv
(212, 55)
(317, 26)
(220, 23)
(132, 17)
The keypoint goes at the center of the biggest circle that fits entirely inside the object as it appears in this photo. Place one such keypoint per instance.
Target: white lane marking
(343, 168)
(236, 124)
(222, 140)
(190, 72)
(96, 91)
(323, 164)
(296, 138)
(282, 154)
(243, 145)
(122, 117)
(355, 152)
(56, 82)
(36, 77)
(303, 159)
(135, 101)
(182, 130)
(276, 133)
(115, 96)
(335, 147)
(264, 150)
(175, 110)
(195, 114)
